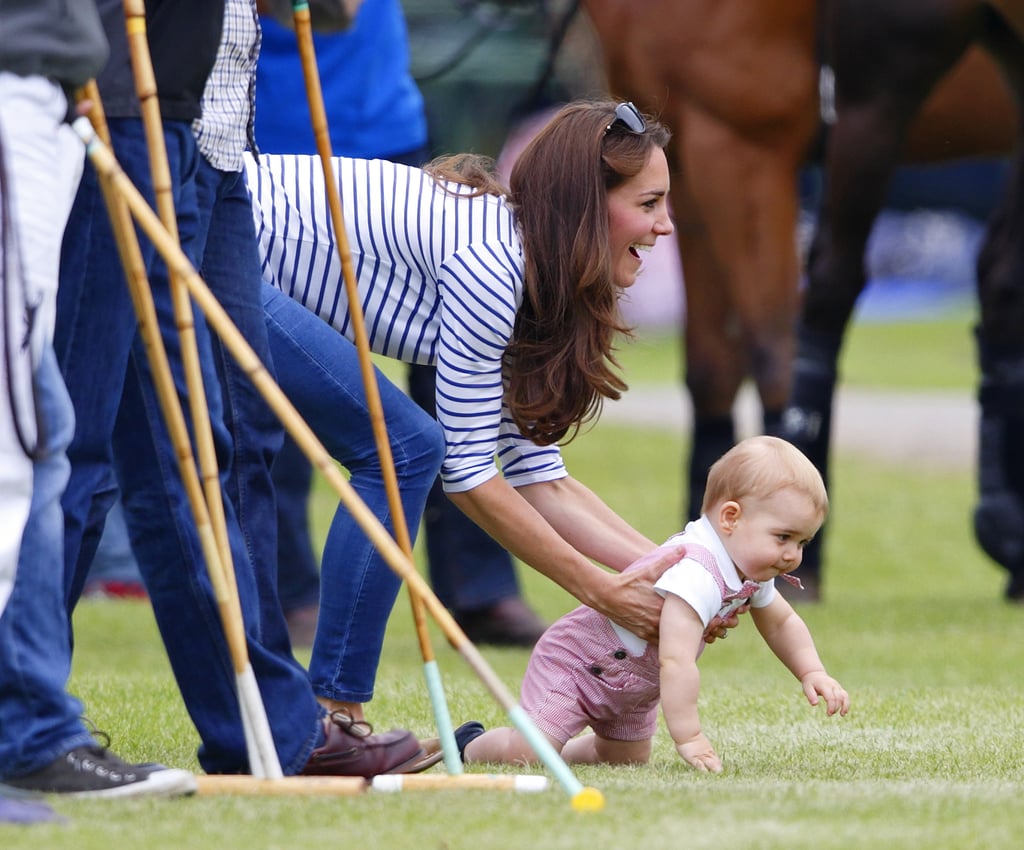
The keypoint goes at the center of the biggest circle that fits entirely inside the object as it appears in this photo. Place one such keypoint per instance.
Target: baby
(763, 503)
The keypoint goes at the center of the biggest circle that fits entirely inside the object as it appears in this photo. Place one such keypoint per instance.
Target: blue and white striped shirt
(440, 279)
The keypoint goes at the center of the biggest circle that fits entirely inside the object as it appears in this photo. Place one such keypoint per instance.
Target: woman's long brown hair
(560, 363)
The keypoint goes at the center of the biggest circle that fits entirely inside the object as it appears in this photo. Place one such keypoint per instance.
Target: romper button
(596, 670)
(620, 654)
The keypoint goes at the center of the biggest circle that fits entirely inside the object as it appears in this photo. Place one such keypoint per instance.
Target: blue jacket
(374, 107)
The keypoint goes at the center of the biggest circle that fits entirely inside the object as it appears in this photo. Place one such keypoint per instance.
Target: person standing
(47, 50)
(122, 441)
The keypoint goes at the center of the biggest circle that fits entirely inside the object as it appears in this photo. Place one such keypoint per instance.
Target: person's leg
(593, 749)
(184, 603)
(319, 371)
(94, 331)
(470, 572)
(231, 268)
(168, 548)
(39, 719)
(44, 745)
(504, 745)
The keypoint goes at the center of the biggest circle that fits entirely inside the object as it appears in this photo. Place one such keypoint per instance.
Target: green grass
(936, 354)
(912, 624)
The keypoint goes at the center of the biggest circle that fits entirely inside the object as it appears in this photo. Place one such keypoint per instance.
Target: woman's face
(637, 216)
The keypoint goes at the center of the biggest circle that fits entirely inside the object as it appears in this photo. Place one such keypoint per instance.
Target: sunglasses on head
(629, 116)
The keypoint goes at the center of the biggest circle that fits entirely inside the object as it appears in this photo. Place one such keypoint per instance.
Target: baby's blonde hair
(759, 467)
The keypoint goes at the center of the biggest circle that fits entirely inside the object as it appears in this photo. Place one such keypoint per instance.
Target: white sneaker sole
(169, 782)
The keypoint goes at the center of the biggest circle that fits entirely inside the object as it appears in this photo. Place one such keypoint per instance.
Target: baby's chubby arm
(790, 639)
(681, 634)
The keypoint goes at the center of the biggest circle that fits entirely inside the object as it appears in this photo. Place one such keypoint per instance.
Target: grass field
(912, 624)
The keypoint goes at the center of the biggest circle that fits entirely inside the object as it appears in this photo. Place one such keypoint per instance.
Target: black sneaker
(96, 772)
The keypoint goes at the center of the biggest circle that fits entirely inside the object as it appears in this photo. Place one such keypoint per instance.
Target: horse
(887, 58)
(739, 85)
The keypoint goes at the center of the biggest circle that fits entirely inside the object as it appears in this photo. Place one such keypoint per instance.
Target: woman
(513, 293)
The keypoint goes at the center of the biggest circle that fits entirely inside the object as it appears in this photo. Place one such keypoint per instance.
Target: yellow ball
(588, 800)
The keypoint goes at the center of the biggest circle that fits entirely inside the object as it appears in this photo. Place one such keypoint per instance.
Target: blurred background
(485, 69)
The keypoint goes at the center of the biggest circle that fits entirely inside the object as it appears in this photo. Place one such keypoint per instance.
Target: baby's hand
(700, 755)
(819, 683)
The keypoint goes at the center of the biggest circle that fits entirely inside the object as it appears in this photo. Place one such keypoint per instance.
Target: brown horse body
(738, 84)
(886, 61)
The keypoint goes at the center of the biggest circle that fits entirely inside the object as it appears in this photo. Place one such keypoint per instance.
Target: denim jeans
(121, 428)
(319, 371)
(39, 719)
(231, 268)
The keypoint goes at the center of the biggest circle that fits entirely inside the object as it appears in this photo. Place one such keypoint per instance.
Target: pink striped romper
(580, 674)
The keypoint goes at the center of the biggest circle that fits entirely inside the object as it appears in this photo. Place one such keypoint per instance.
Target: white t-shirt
(694, 581)
(696, 585)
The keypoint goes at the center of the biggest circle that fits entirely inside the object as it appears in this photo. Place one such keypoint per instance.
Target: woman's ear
(728, 514)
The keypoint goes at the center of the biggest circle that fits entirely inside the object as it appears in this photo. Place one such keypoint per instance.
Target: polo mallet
(583, 798)
(349, 786)
(318, 116)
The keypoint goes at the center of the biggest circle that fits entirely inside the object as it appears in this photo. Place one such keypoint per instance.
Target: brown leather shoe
(351, 749)
(509, 622)
(431, 754)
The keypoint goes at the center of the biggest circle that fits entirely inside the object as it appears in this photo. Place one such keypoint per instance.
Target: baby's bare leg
(593, 749)
(504, 745)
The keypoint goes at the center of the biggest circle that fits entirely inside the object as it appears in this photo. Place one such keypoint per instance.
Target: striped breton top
(440, 278)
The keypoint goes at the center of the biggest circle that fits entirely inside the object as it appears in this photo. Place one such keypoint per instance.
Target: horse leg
(860, 159)
(999, 514)
(875, 101)
(714, 365)
(736, 215)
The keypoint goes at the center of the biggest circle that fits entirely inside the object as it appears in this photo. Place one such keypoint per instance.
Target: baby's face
(766, 538)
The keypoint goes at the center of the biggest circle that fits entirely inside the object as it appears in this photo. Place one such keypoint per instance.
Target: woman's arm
(587, 523)
(556, 527)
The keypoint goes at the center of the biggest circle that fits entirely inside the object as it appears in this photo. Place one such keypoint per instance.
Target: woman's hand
(631, 601)
(719, 627)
